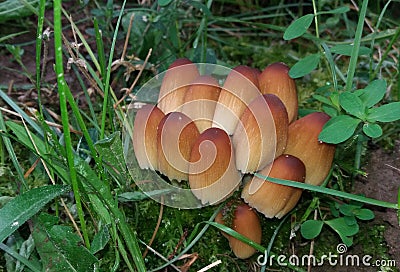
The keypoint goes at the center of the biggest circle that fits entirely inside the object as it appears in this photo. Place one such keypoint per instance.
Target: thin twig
(45, 35)
(160, 215)
(178, 245)
(127, 37)
(162, 257)
(76, 57)
(366, 20)
(136, 79)
(10, 86)
(30, 170)
(210, 266)
(392, 167)
(312, 244)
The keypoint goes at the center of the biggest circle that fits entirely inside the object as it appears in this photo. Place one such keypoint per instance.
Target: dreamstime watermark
(338, 258)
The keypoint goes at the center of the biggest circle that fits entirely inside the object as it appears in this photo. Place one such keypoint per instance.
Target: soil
(383, 182)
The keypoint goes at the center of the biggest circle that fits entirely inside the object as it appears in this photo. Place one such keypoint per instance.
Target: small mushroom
(212, 172)
(239, 89)
(176, 81)
(275, 79)
(176, 135)
(271, 199)
(145, 136)
(303, 143)
(244, 220)
(200, 101)
(261, 134)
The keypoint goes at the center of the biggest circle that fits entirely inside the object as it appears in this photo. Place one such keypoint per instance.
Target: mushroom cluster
(211, 136)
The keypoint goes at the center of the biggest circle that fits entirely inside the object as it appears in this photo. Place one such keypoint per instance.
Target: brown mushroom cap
(145, 136)
(239, 89)
(246, 222)
(303, 143)
(200, 101)
(176, 81)
(275, 79)
(212, 173)
(176, 135)
(261, 134)
(270, 198)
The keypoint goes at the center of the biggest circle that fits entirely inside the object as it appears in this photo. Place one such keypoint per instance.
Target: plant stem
(62, 89)
(356, 46)
(387, 51)
(9, 146)
(315, 19)
(357, 156)
(100, 49)
(108, 75)
(39, 40)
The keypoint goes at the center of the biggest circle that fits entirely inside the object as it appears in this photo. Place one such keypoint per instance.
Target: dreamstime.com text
(340, 258)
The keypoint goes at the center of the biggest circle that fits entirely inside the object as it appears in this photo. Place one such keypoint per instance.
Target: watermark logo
(338, 258)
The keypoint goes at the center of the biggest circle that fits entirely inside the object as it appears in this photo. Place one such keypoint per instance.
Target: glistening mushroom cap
(212, 173)
(176, 135)
(200, 101)
(269, 198)
(275, 79)
(261, 134)
(176, 81)
(239, 89)
(303, 143)
(244, 221)
(145, 136)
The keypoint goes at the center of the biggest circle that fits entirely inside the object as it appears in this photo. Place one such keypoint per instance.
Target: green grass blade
(328, 191)
(20, 258)
(237, 235)
(108, 75)
(17, 109)
(356, 47)
(4, 38)
(332, 65)
(84, 42)
(100, 49)
(18, 210)
(192, 241)
(90, 178)
(93, 118)
(386, 53)
(63, 90)
(12, 154)
(39, 41)
(246, 240)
